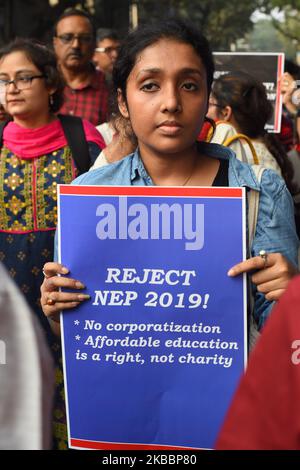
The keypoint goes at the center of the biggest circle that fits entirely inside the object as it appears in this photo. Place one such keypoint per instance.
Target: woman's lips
(14, 102)
(170, 127)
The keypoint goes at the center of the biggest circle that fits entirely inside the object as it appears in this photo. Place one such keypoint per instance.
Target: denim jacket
(275, 228)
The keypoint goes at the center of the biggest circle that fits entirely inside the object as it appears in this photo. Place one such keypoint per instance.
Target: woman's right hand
(287, 88)
(52, 300)
(272, 273)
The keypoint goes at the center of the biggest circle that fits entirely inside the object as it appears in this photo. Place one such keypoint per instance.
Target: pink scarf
(33, 143)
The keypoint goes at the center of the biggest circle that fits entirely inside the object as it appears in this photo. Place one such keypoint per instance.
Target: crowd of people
(158, 109)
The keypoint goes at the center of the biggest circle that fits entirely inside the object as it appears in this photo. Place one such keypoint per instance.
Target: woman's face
(214, 110)
(166, 97)
(28, 103)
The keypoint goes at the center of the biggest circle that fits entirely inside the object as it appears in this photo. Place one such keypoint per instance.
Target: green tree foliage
(222, 21)
(289, 26)
(268, 5)
(266, 38)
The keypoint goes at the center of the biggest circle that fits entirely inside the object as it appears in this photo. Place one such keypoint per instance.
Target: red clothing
(89, 102)
(205, 131)
(265, 412)
(32, 143)
(286, 135)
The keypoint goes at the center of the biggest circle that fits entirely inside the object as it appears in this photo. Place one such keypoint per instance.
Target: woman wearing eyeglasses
(35, 157)
(239, 105)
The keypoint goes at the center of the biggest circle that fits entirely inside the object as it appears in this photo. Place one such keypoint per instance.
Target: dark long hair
(251, 110)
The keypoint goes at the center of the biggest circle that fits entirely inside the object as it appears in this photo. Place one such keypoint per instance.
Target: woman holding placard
(166, 102)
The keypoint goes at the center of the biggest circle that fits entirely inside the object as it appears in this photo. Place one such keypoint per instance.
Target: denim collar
(138, 169)
(240, 174)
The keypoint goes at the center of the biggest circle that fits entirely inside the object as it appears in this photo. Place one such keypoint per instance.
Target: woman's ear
(122, 104)
(226, 113)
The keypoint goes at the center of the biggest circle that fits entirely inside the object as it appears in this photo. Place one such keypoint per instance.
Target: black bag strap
(74, 132)
(2, 125)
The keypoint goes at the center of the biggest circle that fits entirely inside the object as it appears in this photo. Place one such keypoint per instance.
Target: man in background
(106, 51)
(86, 92)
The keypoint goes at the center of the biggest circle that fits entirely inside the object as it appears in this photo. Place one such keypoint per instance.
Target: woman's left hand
(272, 275)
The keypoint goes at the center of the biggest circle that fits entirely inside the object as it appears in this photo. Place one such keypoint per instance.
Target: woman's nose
(12, 82)
(171, 101)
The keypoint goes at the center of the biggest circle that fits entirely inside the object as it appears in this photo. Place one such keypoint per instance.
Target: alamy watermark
(2, 352)
(295, 357)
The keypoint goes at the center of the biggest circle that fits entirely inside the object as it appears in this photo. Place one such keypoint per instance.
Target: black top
(221, 178)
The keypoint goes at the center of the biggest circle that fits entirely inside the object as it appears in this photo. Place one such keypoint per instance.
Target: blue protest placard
(153, 358)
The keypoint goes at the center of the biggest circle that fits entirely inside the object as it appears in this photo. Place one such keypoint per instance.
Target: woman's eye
(190, 86)
(24, 79)
(149, 87)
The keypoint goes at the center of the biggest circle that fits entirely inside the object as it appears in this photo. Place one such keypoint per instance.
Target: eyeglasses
(107, 50)
(68, 38)
(21, 83)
